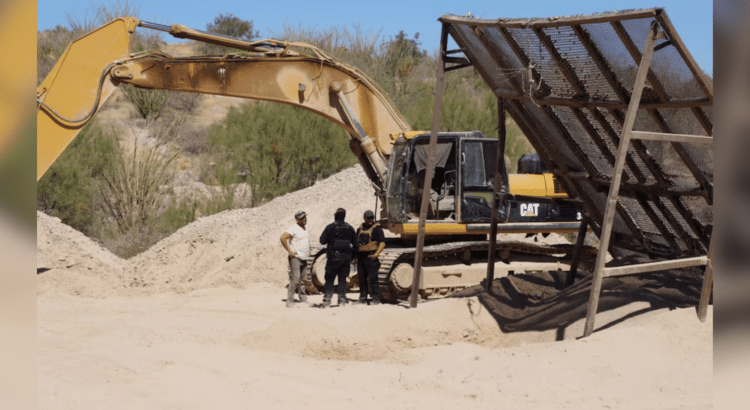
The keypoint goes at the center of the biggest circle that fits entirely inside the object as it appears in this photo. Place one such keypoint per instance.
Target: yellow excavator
(393, 156)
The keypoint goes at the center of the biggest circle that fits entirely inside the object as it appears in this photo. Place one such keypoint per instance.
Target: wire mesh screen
(567, 83)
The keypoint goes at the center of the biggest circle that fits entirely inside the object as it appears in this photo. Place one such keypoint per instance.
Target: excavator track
(391, 257)
(396, 254)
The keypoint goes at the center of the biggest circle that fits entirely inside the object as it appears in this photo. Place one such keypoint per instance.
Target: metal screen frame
(579, 87)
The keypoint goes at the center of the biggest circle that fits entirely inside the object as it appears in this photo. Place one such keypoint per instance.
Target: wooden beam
(662, 136)
(622, 150)
(439, 86)
(498, 192)
(708, 281)
(655, 266)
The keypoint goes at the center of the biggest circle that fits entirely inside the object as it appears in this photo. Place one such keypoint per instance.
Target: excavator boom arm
(77, 86)
(271, 71)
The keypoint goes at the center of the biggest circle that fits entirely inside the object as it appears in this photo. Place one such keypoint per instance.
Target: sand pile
(242, 246)
(232, 248)
(69, 262)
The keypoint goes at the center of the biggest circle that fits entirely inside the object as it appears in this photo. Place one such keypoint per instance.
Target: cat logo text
(529, 210)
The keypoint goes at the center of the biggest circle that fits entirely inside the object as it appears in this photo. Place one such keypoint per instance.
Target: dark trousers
(367, 270)
(336, 269)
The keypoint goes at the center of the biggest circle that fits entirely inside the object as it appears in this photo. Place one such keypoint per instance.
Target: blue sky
(691, 18)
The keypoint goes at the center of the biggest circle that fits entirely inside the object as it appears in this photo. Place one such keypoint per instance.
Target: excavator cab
(462, 185)
(478, 168)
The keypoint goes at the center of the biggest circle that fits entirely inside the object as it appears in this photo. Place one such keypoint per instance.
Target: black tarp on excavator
(567, 83)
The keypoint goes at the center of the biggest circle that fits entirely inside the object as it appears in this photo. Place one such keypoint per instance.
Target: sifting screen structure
(567, 83)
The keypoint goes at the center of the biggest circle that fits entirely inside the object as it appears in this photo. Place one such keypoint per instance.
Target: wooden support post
(708, 281)
(498, 190)
(614, 189)
(577, 251)
(430, 172)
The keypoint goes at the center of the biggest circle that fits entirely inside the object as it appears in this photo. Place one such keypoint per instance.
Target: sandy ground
(199, 322)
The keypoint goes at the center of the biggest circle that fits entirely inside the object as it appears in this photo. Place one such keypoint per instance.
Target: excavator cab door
(477, 171)
(397, 173)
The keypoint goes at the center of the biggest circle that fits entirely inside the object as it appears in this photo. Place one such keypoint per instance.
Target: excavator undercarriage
(452, 266)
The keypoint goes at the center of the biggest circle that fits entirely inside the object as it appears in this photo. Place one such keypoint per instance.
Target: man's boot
(326, 304)
(343, 301)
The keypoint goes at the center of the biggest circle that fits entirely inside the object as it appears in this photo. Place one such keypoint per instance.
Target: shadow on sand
(540, 301)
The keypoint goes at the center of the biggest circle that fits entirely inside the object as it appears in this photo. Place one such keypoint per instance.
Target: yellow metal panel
(542, 185)
(549, 180)
(527, 184)
(71, 88)
(412, 134)
(430, 229)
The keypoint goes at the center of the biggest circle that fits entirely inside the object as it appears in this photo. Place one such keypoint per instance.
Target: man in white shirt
(296, 241)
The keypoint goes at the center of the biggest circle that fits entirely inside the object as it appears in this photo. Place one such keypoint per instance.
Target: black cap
(369, 214)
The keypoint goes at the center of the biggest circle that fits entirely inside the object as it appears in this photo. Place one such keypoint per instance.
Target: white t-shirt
(300, 242)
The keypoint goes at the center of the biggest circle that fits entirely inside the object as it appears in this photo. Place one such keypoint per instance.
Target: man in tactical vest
(371, 242)
(341, 245)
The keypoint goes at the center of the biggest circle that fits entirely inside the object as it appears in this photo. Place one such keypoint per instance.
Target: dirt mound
(70, 262)
(232, 248)
(242, 246)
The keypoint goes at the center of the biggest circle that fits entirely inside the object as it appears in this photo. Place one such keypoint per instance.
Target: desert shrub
(192, 140)
(167, 129)
(228, 25)
(178, 214)
(131, 188)
(184, 101)
(67, 190)
(278, 148)
(148, 103)
(132, 242)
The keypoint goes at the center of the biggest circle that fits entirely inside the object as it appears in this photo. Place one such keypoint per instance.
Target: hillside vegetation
(123, 182)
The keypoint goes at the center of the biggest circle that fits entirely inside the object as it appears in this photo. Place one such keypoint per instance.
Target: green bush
(148, 103)
(228, 25)
(178, 214)
(130, 188)
(277, 149)
(68, 189)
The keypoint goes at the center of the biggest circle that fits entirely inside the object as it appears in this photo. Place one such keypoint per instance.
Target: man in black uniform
(371, 242)
(341, 245)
